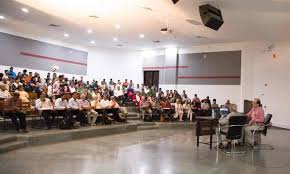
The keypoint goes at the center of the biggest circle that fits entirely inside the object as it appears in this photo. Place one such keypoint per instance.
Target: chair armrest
(262, 126)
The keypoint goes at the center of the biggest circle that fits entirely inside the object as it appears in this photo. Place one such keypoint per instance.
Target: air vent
(156, 41)
(119, 45)
(54, 25)
(94, 16)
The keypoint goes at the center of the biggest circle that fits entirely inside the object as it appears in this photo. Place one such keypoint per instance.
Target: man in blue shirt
(11, 73)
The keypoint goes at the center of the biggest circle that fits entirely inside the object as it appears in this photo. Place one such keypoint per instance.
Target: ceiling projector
(166, 30)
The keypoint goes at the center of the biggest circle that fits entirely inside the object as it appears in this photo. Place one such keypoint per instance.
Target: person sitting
(44, 106)
(62, 109)
(86, 107)
(215, 108)
(5, 82)
(87, 93)
(145, 107)
(75, 109)
(96, 107)
(205, 108)
(115, 110)
(223, 122)
(4, 94)
(23, 94)
(11, 73)
(105, 103)
(125, 84)
(16, 84)
(257, 117)
(178, 110)
(188, 110)
(166, 109)
(214, 104)
(227, 104)
(14, 106)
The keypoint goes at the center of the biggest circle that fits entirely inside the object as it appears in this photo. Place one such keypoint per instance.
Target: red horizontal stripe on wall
(165, 67)
(209, 77)
(51, 58)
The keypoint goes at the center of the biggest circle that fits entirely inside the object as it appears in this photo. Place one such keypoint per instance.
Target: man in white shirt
(62, 109)
(44, 106)
(76, 109)
(4, 94)
(105, 103)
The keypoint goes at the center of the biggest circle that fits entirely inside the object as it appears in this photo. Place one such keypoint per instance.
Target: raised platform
(12, 141)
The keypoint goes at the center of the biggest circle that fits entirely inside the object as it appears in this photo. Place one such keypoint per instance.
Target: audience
(60, 96)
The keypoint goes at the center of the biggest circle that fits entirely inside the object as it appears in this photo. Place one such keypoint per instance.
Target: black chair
(235, 130)
(262, 130)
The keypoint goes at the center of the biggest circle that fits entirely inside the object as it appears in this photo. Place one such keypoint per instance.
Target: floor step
(14, 145)
(7, 138)
(148, 127)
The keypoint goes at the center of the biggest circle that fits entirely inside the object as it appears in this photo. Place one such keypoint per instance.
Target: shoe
(25, 131)
(221, 146)
(228, 146)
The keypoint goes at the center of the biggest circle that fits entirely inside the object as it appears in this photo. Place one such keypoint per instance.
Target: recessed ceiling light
(141, 35)
(66, 35)
(115, 39)
(92, 42)
(89, 30)
(25, 10)
(117, 26)
(2, 17)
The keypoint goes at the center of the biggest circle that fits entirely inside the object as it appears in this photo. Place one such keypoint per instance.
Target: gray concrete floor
(147, 152)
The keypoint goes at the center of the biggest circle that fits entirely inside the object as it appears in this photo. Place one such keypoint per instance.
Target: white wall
(117, 64)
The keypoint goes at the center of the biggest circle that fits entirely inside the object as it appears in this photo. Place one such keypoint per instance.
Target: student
(4, 94)
(14, 105)
(45, 108)
(145, 107)
(86, 107)
(188, 110)
(75, 109)
(178, 110)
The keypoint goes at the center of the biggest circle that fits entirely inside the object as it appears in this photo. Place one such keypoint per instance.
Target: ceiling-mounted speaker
(175, 1)
(211, 16)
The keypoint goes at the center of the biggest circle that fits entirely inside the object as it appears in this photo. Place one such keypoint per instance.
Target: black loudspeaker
(211, 16)
(175, 1)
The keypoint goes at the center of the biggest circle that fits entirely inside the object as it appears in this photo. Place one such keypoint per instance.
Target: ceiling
(245, 20)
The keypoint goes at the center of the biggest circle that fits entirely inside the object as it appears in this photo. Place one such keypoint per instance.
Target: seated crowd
(82, 103)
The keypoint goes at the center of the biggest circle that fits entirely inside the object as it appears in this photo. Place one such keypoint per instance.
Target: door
(151, 78)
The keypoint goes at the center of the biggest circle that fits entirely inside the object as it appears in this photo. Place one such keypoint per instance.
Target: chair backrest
(236, 124)
(266, 122)
(2, 105)
(206, 127)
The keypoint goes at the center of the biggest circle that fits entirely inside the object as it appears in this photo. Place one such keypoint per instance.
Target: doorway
(151, 78)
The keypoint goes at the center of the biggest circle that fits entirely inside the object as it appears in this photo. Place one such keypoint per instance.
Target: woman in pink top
(257, 117)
